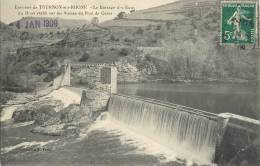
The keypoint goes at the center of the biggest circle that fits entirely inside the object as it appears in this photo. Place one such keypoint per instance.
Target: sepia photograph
(130, 82)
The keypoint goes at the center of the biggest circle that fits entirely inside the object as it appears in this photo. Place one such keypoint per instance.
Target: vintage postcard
(129, 83)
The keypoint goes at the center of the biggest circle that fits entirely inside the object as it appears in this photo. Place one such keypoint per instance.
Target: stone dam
(197, 134)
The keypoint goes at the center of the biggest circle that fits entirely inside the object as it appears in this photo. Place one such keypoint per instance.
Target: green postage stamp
(238, 22)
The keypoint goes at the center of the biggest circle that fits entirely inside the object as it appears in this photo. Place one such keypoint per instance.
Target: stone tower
(109, 77)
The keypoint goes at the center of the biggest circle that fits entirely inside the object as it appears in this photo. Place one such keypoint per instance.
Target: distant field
(169, 12)
(129, 22)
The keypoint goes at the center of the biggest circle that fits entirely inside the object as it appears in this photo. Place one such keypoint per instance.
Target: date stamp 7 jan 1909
(238, 22)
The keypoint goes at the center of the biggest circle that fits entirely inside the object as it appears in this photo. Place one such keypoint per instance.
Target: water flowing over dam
(192, 133)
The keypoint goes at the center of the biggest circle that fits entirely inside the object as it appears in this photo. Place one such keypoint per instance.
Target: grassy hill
(175, 11)
(6, 33)
(188, 34)
(173, 41)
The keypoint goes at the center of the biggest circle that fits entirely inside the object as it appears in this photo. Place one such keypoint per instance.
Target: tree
(123, 52)
(158, 27)
(149, 27)
(121, 15)
(84, 57)
(95, 21)
(102, 52)
(112, 38)
(168, 25)
(38, 69)
(140, 31)
(24, 36)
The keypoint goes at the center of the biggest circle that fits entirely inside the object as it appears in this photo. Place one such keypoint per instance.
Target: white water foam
(25, 145)
(143, 144)
(189, 134)
(16, 125)
(22, 124)
(66, 96)
(7, 112)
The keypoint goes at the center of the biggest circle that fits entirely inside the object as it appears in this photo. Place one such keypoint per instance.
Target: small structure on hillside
(91, 76)
(94, 76)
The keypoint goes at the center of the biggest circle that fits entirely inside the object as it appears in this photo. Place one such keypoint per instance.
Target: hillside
(171, 11)
(187, 33)
(6, 33)
(176, 42)
(175, 11)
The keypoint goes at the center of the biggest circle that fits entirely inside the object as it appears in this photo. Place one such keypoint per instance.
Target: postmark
(32, 23)
(238, 22)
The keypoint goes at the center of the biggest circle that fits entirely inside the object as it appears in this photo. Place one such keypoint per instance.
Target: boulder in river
(24, 115)
(44, 114)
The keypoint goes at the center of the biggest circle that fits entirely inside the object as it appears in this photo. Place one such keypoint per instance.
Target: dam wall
(94, 101)
(199, 135)
(188, 132)
(238, 143)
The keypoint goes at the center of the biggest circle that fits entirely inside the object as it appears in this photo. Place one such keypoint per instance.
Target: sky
(9, 13)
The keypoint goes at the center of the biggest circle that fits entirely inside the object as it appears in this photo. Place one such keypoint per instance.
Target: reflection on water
(217, 98)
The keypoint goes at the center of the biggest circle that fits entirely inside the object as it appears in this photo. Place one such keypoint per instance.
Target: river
(238, 99)
(115, 145)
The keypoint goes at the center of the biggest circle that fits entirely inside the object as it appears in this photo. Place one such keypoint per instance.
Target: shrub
(123, 52)
(168, 25)
(148, 57)
(44, 113)
(38, 69)
(112, 38)
(158, 27)
(128, 40)
(84, 57)
(101, 53)
(140, 31)
(121, 15)
(4, 97)
(50, 76)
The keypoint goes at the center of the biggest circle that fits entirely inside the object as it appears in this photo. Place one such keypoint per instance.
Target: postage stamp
(238, 22)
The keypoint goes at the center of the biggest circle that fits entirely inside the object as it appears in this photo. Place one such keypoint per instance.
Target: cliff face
(135, 71)
(127, 72)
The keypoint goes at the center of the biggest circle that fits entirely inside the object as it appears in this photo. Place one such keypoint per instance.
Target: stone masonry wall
(94, 76)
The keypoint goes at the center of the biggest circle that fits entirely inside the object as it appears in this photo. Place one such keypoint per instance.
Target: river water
(239, 99)
(105, 144)
(115, 145)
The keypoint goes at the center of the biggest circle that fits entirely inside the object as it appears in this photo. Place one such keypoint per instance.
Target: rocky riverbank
(145, 71)
(52, 116)
(66, 121)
